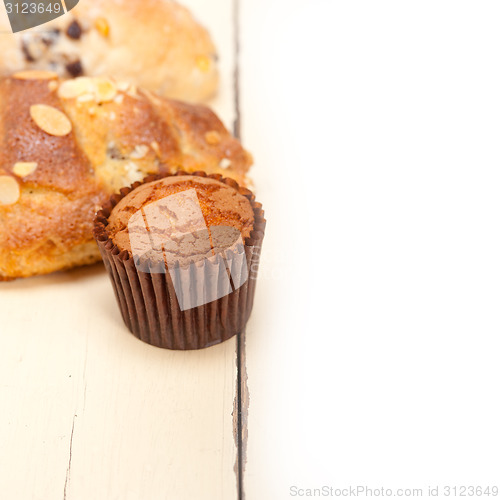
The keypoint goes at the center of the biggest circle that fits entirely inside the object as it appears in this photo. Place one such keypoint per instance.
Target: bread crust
(112, 144)
(156, 44)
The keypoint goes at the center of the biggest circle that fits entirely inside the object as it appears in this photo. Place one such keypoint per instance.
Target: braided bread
(67, 145)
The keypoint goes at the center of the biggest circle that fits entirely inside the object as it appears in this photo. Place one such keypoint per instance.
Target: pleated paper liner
(156, 305)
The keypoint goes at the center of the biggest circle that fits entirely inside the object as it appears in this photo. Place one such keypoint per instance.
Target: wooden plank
(87, 410)
(372, 353)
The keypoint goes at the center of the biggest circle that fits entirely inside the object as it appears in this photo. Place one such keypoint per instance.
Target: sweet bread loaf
(67, 145)
(156, 44)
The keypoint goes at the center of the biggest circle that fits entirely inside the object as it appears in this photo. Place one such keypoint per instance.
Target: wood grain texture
(87, 410)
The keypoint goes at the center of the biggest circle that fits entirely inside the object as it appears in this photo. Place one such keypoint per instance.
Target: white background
(376, 126)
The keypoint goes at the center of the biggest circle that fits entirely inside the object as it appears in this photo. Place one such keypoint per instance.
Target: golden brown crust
(62, 165)
(115, 140)
(220, 204)
(156, 44)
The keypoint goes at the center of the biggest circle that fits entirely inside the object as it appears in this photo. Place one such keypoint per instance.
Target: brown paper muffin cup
(150, 301)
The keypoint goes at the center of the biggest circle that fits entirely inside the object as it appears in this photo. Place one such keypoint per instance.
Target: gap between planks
(242, 397)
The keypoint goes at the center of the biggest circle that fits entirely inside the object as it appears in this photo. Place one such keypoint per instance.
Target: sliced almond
(119, 99)
(9, 190)
(213, 138)
(50, 120)
(105, 90)
(71, 89)
(24, 168)
(35, 75)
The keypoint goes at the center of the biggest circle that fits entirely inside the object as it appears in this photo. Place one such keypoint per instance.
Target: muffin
(182, 253)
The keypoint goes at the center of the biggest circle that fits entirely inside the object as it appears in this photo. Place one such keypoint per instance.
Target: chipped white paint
(9, 190)
(24, 168)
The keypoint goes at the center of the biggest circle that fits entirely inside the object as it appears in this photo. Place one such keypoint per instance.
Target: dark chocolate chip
(75, 68)
(114, 153)
(74, 30)
(26, 51)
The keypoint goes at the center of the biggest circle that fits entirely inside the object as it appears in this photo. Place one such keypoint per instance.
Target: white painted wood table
(89, 412)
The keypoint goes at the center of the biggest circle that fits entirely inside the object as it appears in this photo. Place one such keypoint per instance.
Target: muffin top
(182, 218)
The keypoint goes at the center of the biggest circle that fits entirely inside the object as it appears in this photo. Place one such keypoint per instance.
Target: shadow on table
(58, 278)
